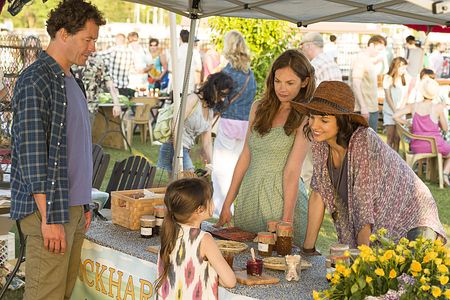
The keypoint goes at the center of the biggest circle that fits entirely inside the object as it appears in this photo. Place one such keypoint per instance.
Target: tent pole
(178, 153)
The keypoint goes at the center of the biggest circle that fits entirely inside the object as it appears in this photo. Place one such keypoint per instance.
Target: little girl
(190, 265)
(394, 84)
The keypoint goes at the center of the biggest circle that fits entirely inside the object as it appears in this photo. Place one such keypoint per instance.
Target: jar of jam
(147, 225)
(272, 228)
(160, 213)
(254, 267)
(284, 238)
(266, 243)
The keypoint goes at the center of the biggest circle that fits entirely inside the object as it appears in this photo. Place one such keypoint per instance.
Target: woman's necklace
(335, 214)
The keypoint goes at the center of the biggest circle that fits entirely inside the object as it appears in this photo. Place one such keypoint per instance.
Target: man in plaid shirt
(51, 174)
(119, 60)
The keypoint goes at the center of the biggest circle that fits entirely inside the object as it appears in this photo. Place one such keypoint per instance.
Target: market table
(115, 259)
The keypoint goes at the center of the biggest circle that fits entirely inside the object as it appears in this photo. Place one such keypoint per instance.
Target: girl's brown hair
(269, 103)
(393, 69)
(183, 197)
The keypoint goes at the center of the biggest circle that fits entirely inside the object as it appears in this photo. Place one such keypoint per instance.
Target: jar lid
(272, 225)
(284, 229)
(160, 210)
(339, 247)
(266, 237)
(148, 221)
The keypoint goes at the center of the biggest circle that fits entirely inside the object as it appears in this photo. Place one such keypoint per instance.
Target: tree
(266, 40)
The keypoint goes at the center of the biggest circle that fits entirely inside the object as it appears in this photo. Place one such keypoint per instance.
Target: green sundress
(260, 197)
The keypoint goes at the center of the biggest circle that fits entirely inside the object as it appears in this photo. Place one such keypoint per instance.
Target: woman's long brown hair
(183, 197)
(393, 69)
(269, 103)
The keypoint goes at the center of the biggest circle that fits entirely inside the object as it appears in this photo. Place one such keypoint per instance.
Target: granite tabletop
(130, 242)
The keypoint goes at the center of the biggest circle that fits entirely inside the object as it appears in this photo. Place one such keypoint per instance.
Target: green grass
(327, 234)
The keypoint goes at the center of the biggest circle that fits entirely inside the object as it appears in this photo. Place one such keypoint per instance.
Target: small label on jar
(263, 247)
(147, 231)
(159, 221)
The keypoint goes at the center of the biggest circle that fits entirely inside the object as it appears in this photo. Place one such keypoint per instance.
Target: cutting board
(233, 234)
(153, 249)
(243, 278)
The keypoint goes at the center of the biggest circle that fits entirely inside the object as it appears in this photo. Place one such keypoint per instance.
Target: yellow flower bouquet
(405, 270)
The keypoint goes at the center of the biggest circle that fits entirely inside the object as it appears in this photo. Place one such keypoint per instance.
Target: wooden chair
(434, 158)
(135, 172)
(100, 161)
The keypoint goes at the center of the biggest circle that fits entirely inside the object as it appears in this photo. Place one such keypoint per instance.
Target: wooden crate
(127, 211)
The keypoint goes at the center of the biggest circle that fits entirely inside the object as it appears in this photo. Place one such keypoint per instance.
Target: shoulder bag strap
(235, 97)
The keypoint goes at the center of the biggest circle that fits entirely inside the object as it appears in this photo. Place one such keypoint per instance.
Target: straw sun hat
(429, 88)
(332, 98)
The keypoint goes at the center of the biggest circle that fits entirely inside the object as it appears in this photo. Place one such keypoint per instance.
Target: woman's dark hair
(216, 86)
(393, 69)
(72, 15)
(153, 40)
(345, 124)
(183, 197)
(269, 103)
(428, 72)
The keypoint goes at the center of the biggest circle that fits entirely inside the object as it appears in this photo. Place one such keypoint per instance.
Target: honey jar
(147, 225)
(160, 213)
(272, 227)
(284, 238)
(266, 242)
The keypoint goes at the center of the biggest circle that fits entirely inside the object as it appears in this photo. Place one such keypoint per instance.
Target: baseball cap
(313, 37)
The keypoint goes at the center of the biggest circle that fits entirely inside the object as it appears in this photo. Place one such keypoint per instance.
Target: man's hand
(54, 237)
(88, 216)
(116, 110)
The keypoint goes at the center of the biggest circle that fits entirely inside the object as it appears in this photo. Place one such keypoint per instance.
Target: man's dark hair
(410, 39)
(153, 40)
(72, 15)
(184, 35)
(377, 39)
(333, 38)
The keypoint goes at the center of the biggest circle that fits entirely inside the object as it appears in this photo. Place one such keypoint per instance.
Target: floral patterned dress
(189, 276)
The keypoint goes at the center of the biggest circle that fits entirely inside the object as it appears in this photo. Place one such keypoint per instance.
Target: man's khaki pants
(51, 276)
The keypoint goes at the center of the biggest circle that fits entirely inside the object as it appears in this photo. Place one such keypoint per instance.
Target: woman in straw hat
(428, 119)
(363, 183)
(266, 181)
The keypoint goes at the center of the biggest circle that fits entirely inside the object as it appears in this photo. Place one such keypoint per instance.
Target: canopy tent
(300, 12)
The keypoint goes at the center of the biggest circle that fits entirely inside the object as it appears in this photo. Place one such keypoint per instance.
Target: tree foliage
(266, 40)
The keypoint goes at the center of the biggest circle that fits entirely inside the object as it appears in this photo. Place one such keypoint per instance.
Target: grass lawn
(327, 235)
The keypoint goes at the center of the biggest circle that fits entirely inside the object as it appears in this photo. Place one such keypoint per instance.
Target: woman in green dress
(266, 182)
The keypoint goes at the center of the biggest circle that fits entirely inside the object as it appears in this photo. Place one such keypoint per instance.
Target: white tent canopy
(300, 12)
(305, 12)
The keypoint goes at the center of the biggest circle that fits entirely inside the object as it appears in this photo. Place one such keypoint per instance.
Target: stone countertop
(130, 242)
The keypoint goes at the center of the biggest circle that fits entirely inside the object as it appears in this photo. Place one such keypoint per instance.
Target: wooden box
(126, 210)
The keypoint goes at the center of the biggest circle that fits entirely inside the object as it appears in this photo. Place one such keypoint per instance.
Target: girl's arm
(207, 146)
(291, 174)
(209, 249)
(400, 113)
(238, 174)
(442, 118)
(316, 211)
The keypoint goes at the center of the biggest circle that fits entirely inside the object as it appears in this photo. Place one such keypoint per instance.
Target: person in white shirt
(181, 63)
(437, 59)
(142, 63)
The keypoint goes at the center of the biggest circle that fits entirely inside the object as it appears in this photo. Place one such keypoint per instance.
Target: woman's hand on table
(225, 217)
(310, 252)
(117, 110)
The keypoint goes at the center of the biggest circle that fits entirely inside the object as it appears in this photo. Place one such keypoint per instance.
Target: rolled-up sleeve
(32, 138)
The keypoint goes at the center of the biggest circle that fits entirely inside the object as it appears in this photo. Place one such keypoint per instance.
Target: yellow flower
(372, 258)
(316, 295)
(328, 276)
(368, 279)
(443, 269)
(438, 243)
(412, 244)
(365, 249)
(425, 287)
(416, 266)
(436, 291)
(404, 241)
(447, 261)
(347, 253)
(426, 271)
(382, 259)
(399, 248)
(406, 252)
(336, 279)
(438, 261)
(373, 238)
(379, 272)
(382, 231)
(389, 254)
(443, 279)
(423, 280)
(447, 294)
(340, 268)
(392, 274)
(347, 272)
(415, 274)
(400, 259)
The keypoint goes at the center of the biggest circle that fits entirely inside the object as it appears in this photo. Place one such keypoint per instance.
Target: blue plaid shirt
(39, 146)
(240, 108)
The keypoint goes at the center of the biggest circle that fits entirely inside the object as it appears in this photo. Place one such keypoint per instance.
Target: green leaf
(354, 288)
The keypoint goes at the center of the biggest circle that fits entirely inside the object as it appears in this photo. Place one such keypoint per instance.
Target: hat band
(331, 104)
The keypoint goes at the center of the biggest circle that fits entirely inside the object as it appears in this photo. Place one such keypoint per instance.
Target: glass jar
(254, 267)
(284, 238)
(272, 228)
(147, 225)
(160, 213)
(266, 243)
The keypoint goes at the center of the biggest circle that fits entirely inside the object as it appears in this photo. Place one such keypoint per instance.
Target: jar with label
(147, 225)
(284, 238)
(160, 213)
(266, 243)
